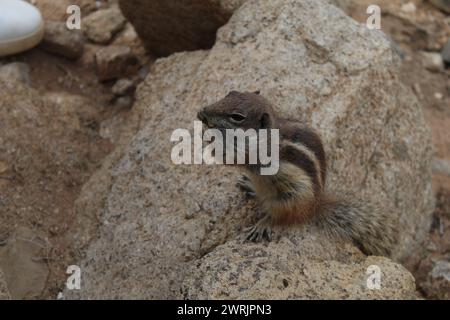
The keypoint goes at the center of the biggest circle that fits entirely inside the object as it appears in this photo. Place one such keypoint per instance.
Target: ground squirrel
(297, 194)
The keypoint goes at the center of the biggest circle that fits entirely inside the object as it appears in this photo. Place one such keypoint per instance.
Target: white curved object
(21, 26)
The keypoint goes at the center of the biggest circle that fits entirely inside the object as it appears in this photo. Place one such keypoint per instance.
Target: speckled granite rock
(297, 266)
(168, 26)
(157, 219)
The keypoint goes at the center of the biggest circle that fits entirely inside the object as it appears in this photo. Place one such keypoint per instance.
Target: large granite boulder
(168, 231)
(299, 265)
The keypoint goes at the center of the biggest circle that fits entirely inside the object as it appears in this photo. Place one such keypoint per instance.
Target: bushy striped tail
(372, 230)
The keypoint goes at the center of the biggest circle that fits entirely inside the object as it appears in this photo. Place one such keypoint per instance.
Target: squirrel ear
(257, 92)
(265, 121)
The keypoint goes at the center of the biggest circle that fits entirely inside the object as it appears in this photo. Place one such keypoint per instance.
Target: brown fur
(294, 212)
(295, 132)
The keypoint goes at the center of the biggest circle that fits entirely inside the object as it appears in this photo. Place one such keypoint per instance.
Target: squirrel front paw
(245, 185)
(262, 230)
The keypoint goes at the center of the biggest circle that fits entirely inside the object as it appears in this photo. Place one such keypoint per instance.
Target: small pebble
(438, 95)
(432, 61)
(123, 87)
(408, 7)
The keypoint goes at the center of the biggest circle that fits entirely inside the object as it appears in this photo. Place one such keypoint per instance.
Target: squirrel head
(239, 110)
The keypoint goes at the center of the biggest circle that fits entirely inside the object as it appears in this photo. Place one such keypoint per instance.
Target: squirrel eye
(237, 117)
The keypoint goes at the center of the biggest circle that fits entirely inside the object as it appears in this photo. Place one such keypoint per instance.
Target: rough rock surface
(289, 269)
(4, 293)
(100, 26)
(114, 61)
(157, 219)
(433, 273)
(22, 260)
(59, 40)
(177, 25)
(52, 10)
(437, 283)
